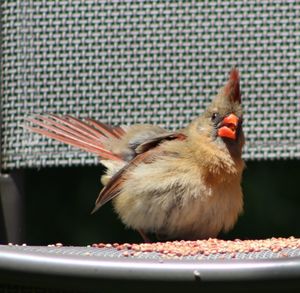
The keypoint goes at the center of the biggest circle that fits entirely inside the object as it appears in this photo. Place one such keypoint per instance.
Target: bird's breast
(174, 200)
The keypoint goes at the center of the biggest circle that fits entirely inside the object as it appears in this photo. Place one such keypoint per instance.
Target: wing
(147, 153)
(154, 141)
(88, 135)
(142, 141)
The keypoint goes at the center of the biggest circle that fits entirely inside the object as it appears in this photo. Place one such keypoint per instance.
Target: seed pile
(178, 249)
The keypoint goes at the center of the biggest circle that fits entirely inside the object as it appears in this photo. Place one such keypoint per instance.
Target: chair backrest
(159, 62)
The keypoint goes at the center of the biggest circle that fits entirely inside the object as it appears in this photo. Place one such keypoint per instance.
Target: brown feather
(150, 152)
(151, 143)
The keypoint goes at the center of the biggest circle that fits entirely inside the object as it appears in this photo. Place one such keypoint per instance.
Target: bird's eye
(214, 116)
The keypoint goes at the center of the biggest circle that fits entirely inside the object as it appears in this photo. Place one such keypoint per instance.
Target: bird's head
(221, 122)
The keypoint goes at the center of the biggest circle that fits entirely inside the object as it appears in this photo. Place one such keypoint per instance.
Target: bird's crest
(232, 88)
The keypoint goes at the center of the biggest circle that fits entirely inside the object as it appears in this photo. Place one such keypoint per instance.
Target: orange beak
(228, 127)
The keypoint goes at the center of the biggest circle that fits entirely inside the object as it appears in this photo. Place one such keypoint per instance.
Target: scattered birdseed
(199, 248)
(126, 253)
(179, 249)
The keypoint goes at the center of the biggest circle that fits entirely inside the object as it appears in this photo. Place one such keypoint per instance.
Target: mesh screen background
(160, 62)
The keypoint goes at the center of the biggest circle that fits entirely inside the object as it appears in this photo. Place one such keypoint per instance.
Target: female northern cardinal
(183, 184)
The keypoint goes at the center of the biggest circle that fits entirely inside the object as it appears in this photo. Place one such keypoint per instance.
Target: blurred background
(59, 202)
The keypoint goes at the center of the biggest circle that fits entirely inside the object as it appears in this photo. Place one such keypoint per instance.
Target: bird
(183, 184)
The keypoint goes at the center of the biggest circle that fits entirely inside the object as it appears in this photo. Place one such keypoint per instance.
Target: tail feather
(107, 130)
(78, 126)
(62, 126)
(119, 131)
(81, 134)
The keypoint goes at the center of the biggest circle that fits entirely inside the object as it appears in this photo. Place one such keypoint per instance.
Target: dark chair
(141, 62)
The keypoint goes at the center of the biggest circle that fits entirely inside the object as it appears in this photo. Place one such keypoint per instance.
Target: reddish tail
(87, 135)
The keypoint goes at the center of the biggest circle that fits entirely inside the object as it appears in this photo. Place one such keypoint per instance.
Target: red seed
(207, 247)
